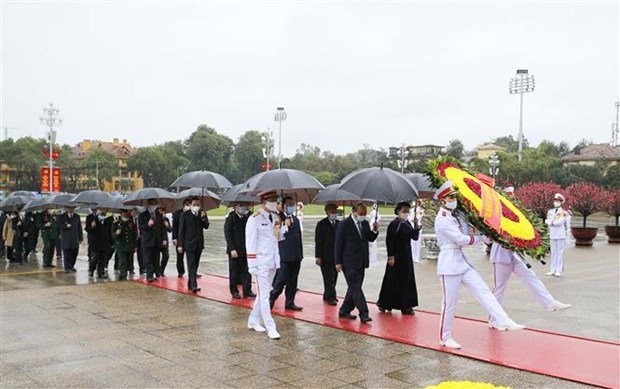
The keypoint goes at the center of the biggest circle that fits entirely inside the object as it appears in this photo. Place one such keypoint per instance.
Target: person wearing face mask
(125, 236)
(234, 233)
(163, 247)
(101, 242)
(558, 220)
(49, 233)
(453, 268)
(176, 216)
(324, 239)
(8, 234)
(191, 240)
(151, 225)
(291, 255)
(351, 257)
(398, 289)
(70, 227)
(22, 225)
(262, 232)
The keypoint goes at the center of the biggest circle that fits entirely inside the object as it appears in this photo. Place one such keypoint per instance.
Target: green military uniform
(49, 234)
(125, 235)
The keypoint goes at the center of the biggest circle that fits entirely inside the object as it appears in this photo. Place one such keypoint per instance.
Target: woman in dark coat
(398, 290)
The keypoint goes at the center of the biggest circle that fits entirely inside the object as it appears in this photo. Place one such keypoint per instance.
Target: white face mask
(333, 216)
(195, 208)
(451, 205)
(186, 207)
(557, 204)
(403, 215)
(242, 210)
(124, 218)
(22, 214)
(271, 206)
(362, 218)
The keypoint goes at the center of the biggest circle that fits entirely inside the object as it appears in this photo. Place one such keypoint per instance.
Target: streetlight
(614, 127)
(267, 139)
(280, 116)
(522, 83)
(50, 119)
(493, 165)
(404, 153)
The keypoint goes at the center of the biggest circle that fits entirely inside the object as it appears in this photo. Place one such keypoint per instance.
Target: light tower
(280, 116)
(522, 83)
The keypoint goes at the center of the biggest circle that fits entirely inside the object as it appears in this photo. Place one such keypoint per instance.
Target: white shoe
(450, 343)
(557, 306)
(416, 261)
(551, 273)
(508, 325)
(257, 328)
(558, 274)
(273, 334)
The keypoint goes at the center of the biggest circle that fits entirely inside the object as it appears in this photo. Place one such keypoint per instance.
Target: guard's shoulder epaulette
(255, 214)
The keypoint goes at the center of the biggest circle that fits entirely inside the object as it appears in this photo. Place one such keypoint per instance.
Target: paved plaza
(64, 330)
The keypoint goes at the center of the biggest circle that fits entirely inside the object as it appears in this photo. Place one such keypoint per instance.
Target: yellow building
(7, 177)
(126, 181)
(486, 150)
(602, 154)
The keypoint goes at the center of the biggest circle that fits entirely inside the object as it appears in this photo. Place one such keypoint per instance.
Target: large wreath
(507, 222)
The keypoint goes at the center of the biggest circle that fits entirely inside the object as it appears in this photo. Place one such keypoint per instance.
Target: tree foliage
(538, 196)
(209, 150)
(586, 199)
(455, 149)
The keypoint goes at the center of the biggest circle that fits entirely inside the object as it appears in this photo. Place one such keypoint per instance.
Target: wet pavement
(64, 330)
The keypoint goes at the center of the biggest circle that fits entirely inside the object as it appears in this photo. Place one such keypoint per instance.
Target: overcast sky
(348, 73)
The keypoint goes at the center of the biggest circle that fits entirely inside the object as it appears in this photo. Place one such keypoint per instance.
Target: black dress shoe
(365, 319)
(150, 279)
(293, 308)
(332, 302)
(196, 290)
(346, 316)
(198, 275)
(408, 312)
(180, 275)
(236, 296)
(249, 295)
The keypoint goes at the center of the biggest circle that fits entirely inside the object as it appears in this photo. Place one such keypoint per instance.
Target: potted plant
(538, 196)
(613, 209)
(585, 198)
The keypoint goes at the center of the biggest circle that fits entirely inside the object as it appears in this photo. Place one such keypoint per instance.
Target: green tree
(510, 144)
(248, 155)
(208, 150)
(158, 165)
(455, 149)
(26, 155)
(612, 177)
(99, 164)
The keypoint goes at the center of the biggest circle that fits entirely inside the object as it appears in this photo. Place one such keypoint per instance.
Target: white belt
(449, 246)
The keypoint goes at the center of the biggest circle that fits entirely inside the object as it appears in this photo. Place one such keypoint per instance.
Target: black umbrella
(422, 184)
(333, 194)
(290, 182)
(22, 193)
(13, 203)
(208, 199)
(61, 200)
(142, 196)
(92, 197)
(114, 204)
(381, 184)
(233, 195)
(35, 205)
(202, 179)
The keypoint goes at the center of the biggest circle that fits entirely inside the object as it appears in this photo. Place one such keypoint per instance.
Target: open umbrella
(13, 203)
(423, 184)
(22, 193)
(233, 195)
(142, 196)
(61, 200)
(208, 199)
(333, 194)
(381, 184)
(202, 179)
(35, 205)
(290, 182)
(114, 204)
(92, 197)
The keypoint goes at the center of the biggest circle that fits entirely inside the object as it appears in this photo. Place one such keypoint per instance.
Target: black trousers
(49, 245)
(287, 276)
(70, 256)
(98, 261)
(193, 259)
(162, 257)
(123, 259)
(330, 276)
(58, 248)
(20, 250)
(141, 264)
(238, 273)
(355, 295)
(180, 263)
(150, 261)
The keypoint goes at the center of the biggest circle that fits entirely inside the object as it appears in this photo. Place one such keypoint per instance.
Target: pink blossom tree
(538, 196)
(613, 204)
(587, 198)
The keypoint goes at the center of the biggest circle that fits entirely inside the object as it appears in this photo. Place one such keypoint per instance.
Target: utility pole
(614, 127)
(50, 119)
(280, 116)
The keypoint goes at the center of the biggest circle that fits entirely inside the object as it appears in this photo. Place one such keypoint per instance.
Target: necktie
(359, 227)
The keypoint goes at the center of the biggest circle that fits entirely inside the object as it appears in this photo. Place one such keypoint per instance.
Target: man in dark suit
(176, 216)
(70, 228)
(191, 239)
(324, 240)
(100, 241)
(23, 227)
(163, 253)
(351, 257)
(234, 232)
(150, 224)
(291, 254)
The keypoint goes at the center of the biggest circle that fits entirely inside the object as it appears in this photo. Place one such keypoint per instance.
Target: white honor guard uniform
(453, 269)
(261, 242)
(373, 249)
(416, 213)
(558, 220)
(505, 262)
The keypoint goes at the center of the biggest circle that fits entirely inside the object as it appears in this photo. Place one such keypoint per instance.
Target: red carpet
(589, 361)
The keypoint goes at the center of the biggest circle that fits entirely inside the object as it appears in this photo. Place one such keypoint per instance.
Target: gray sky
(348, 73)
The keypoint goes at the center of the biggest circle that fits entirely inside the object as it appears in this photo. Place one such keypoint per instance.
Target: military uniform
(261, 243)
(125, 234)
(49, 234)
(558, 220)
(454, 269)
